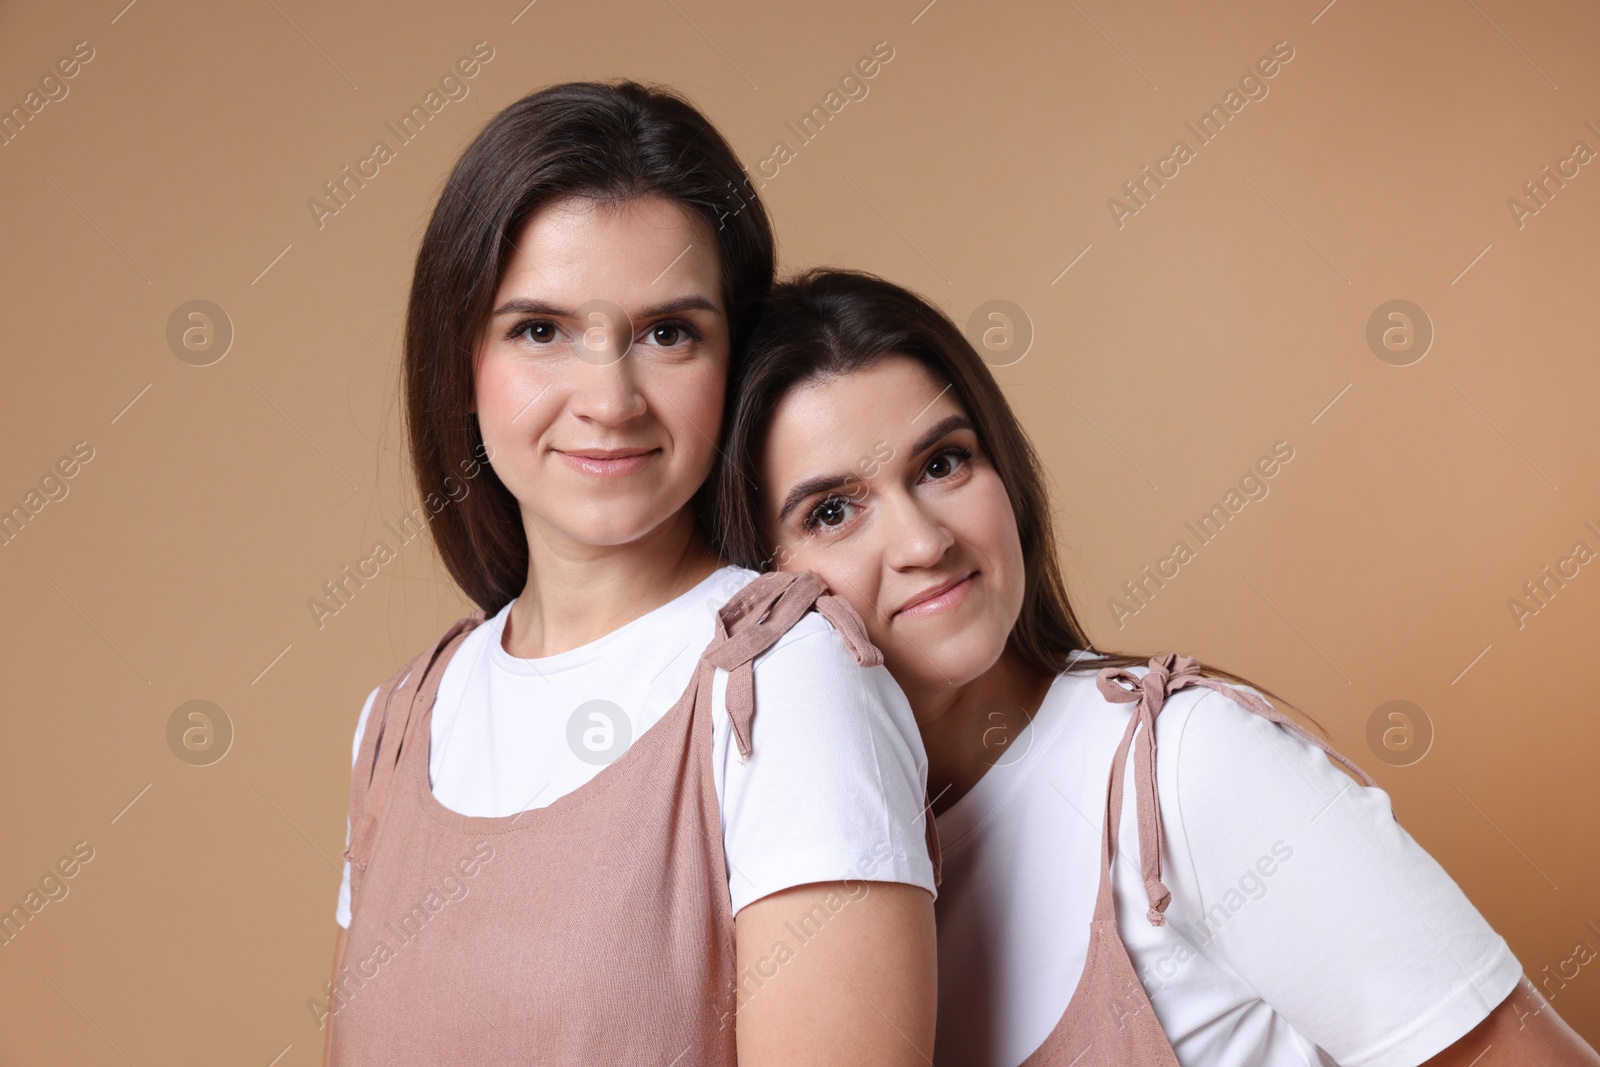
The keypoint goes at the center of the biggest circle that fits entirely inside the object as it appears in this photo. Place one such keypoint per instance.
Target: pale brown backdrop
(1168, 354)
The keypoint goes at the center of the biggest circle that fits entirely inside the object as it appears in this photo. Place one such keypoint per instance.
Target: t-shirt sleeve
(835, 784)
(342, 912)
(1312, 892)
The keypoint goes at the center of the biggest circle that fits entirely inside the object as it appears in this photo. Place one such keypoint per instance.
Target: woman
(570, 840)
(1287, 918)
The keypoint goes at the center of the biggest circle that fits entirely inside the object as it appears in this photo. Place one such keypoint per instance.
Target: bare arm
(837, 973)
(1523, 1029)
(327, 1032)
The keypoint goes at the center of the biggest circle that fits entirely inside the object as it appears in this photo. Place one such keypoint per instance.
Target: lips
(607, 462)
(938, 598)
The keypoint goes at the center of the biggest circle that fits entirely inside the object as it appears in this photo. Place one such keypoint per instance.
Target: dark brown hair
(827, 322)
(610, 142)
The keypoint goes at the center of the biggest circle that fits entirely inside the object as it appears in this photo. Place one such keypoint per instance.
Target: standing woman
(1249, 904)
(639, 807)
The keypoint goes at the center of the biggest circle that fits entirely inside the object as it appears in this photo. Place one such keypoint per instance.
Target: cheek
(516, 411)
(688, 403)
(990, 527)
(695, 399)
(850, 570)
(511, 400)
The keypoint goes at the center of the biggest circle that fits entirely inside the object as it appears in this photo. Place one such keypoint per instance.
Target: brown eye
(539, 331)
(830, 512)
(673, 333)
(946, 463)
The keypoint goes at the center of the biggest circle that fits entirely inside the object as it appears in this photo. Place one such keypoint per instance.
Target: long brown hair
(609, 142)
(825, 323)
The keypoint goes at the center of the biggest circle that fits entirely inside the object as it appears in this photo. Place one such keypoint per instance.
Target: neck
(577, 593)
(968, 729)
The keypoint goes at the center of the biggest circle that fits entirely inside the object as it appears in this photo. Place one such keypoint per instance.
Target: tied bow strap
(755, 618)
(851, 628)
(1167, 674)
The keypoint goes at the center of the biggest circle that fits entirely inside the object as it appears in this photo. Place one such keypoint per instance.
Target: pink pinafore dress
(1109, 1021)
(595, 930)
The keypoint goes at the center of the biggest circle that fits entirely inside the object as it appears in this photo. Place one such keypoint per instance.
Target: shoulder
(1235, 786)
(810, 675)
(1219, 764)
(1076, 697)
(1204, 728)
(1078, 724)
(483, 631)
(812, 643)
(1215, 745)
(723, 583)
(1223, 767)
(816, 653)
(813, 637)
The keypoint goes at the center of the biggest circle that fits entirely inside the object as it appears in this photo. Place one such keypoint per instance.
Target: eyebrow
(947, 425)
(525, 306)
(828, 482)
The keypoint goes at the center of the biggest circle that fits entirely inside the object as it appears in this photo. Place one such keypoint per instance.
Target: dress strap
(1167, 674)
(366, 756)
(388, 722)
(755, 618)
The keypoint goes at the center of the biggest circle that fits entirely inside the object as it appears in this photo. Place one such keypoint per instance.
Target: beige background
(1229, 313)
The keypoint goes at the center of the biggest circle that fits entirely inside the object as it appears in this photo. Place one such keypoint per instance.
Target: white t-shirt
(833, 788)
(1306, 927)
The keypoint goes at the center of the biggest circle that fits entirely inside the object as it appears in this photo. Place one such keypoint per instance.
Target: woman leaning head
(871, 444)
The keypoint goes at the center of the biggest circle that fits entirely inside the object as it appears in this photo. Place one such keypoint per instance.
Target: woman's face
(601, 374)
(876, 481)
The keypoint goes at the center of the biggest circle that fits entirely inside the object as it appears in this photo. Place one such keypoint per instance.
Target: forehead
(826, 426)
(633, 252)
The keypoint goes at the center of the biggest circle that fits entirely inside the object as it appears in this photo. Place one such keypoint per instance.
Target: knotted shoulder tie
(1169, 673)
(755, 618)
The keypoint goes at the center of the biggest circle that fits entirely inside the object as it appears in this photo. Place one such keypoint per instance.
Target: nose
(916, 537)
(608, 394)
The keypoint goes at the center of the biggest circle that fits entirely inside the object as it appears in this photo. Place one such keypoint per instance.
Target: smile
(943, 597)
(608, 463)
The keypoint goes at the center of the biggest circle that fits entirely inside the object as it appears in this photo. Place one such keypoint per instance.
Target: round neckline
(422, 752)
(435, 809)
(590, 651)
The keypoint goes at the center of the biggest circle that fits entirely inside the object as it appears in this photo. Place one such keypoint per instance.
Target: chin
(611, 526)
(608, 534)
(955, 660)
